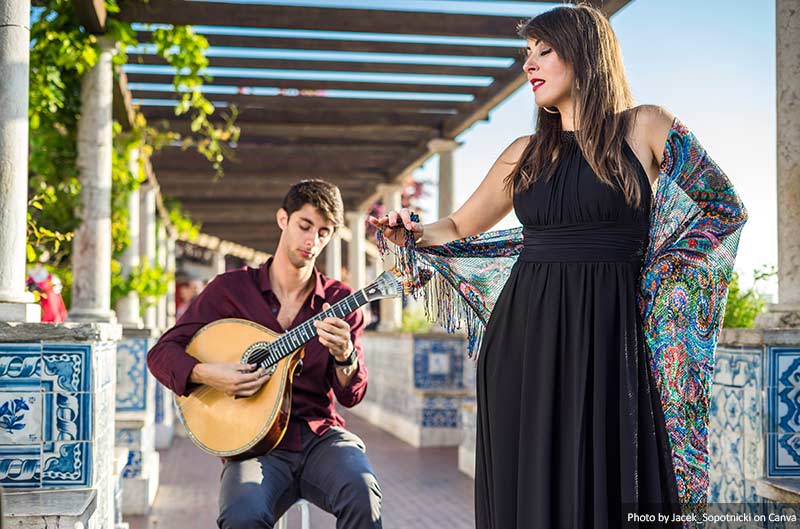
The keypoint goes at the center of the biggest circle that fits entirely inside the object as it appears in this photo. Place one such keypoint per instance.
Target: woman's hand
(393, 224)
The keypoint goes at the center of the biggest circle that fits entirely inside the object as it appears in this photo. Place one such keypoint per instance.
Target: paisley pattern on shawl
(695, 223)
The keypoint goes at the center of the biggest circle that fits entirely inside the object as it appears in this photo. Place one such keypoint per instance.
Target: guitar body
(237, 428)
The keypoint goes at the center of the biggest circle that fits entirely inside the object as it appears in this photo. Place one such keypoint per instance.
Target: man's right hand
(239, 380)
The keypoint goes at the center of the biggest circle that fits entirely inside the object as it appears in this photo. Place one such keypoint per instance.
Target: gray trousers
(332, 472)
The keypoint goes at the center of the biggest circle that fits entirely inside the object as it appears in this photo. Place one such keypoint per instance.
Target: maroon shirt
(248, 294)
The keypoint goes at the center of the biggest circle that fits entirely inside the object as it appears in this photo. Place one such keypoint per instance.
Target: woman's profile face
(549, 76)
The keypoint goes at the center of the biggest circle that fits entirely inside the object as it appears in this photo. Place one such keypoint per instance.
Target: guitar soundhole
(258, 347)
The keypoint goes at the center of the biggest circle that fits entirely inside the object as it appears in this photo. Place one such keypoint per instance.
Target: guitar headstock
(389, 284)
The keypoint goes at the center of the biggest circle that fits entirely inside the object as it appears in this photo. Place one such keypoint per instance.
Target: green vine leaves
(60, 53)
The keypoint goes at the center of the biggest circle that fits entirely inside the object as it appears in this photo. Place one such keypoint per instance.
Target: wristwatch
(351, 359)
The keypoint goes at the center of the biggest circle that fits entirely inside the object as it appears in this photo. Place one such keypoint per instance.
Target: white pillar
(91, 247)
(356, 257)
(787, 63)
(147, 242)
(391, 309)
(127, 308)
(445, 149)
(333, 257)
(219, 262)
(374, 270)
(161, 307)
(787, 33)
(171, 268)
(15, 303)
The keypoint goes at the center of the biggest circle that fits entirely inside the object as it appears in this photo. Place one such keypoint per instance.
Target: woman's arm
(486, 207)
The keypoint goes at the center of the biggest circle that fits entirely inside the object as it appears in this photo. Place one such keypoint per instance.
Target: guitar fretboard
(300, 335)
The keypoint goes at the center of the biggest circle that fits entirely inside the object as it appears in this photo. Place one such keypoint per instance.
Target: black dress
(570, 428)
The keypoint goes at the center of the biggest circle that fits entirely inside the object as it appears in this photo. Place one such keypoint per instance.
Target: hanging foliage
(61, 53)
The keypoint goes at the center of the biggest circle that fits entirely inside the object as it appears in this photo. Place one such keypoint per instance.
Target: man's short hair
(324, 196)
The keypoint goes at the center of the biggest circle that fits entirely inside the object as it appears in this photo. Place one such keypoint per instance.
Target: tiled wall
(783, 413)
(136, 421)
(47, 424)
(417, 378)
(57, 419)
(735, 439)
(134, 381)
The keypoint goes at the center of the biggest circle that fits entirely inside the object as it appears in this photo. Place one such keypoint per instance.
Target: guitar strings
(261, 354)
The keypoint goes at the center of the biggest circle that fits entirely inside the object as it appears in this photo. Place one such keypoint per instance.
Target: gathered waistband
(597, 241)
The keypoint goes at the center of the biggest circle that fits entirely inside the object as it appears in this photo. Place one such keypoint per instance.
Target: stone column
(357, 258)
(128, 307)
(171, 268)
(164, 400)
(787, 33)
(147, 241)
(445, 149)
(391, 309)
(15, 303)
(219, 262)
(161, 308)
(91, 254)
(333, 257)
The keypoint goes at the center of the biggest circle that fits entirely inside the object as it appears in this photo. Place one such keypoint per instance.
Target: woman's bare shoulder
(650, 121)
(515, 149)
(650, 126)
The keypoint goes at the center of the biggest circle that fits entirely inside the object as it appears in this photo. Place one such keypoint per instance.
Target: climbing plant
(745, 304)
(61, 53)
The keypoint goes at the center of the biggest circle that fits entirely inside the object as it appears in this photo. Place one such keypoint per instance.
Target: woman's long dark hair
(583, 38)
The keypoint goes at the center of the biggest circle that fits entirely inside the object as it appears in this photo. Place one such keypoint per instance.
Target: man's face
(305, 234)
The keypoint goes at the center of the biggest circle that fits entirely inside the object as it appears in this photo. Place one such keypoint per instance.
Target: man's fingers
(333, 324)
(325, 333)
(250, 387)
(245, 389)
(247, 376)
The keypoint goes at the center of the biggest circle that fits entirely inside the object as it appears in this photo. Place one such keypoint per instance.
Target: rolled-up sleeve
(168, 360)
(350, 395)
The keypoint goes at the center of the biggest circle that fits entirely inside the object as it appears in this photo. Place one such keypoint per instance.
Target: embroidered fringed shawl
(695, 222)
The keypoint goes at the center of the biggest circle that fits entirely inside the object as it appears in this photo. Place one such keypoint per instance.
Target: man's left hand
(334, 333)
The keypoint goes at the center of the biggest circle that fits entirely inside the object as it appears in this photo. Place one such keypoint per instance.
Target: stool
(305, 518)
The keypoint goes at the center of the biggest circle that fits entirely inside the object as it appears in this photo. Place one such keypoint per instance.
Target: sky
(712, 64)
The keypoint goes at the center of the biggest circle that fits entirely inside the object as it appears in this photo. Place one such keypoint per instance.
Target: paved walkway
(422, 487)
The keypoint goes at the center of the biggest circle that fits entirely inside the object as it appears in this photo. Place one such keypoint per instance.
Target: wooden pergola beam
(318, 132)
(356, 46)
(336, 66)
(265, 163)
(319, 18)
(313, 104)
(186, 177)
(314, 152)
(251, 141)
(479, 109)
(251, 191)
(292, 117)
(313, 86)
(91, 14)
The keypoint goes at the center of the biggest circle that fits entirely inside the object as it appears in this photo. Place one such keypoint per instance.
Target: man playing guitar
(317, 459)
